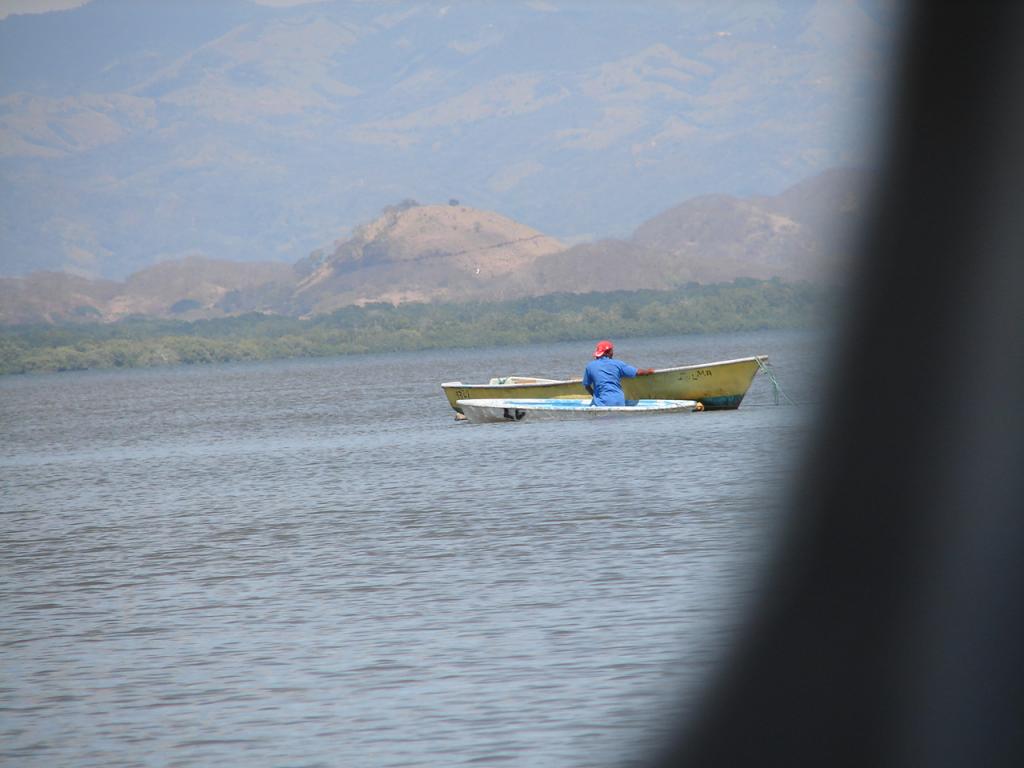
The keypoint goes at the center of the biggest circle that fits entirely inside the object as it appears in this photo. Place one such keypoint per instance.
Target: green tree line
(743, 304)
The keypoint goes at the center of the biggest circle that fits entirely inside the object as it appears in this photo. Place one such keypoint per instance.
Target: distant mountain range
(451, 252)
(136, 131)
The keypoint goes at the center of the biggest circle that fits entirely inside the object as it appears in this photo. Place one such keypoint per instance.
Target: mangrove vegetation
(134, 342)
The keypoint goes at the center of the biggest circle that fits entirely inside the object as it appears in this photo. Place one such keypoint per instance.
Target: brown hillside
(801, 234)
(194, 286)
(830, 209)
(188, 288)
(424, 252)
(605, 265)
(719, 238)
(52, 296)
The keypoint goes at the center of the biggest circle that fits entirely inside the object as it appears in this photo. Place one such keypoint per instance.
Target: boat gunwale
(753, 358)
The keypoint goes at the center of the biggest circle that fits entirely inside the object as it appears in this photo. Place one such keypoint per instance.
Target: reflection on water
(312, 563)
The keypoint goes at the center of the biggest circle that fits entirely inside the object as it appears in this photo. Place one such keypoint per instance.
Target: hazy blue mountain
(133, 131)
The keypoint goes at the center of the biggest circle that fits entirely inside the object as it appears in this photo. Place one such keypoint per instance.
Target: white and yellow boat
(716, 386)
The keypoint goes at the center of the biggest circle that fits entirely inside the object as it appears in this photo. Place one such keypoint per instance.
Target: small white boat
(549, 409)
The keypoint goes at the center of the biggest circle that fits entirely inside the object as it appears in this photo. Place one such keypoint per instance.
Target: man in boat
(603, 375)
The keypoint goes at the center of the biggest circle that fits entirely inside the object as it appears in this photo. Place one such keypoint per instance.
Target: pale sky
(9, 7)
(14, 7)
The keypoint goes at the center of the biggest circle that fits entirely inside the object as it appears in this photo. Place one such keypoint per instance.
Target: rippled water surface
(311, 563)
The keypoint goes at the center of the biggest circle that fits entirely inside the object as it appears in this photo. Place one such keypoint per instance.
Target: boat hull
(716, 386)
(482, 411)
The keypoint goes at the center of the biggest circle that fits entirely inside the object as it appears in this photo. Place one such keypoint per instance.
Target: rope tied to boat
(776, 387)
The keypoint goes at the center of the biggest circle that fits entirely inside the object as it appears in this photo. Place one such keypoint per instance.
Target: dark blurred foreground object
(890, 631)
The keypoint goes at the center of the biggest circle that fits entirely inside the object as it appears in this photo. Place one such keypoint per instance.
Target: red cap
(603, 348)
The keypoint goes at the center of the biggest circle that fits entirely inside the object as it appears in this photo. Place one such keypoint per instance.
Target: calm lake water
(311, 563)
